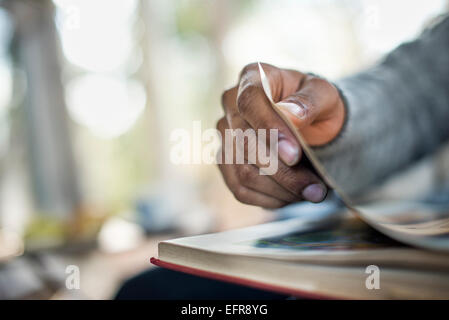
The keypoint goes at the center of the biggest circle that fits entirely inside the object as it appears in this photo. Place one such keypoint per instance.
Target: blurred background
(90, 91)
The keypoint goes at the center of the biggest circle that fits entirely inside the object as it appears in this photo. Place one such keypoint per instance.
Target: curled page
(307, 150)
(418, 222)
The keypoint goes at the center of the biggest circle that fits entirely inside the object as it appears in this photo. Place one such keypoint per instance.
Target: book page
(339, 240)
(420, 222)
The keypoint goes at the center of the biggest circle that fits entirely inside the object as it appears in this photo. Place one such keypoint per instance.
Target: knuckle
(221, 124)
(323, 85)
(251, 149)
(249, 68)
(293, 180)
(320, 82)
(304, 101)
(249, 87)
(226, 98)
(243, 104)
(245, 148)
(240, 193)
(246, 174)
(246, 96)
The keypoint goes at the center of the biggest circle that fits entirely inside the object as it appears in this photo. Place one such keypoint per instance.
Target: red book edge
(237, 280)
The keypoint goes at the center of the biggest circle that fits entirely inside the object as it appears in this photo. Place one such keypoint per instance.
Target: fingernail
(314, 193)
(293, 108)
(288, 152)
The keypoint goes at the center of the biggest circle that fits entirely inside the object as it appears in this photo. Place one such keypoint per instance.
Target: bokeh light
(106, 105)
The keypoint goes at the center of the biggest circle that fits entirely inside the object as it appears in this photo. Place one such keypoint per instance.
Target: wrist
(340, 117)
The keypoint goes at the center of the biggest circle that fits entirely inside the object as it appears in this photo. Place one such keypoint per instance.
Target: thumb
(315, 110)
(307, 103)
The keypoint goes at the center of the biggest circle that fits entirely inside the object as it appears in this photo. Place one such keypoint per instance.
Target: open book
(385, 249)
(308, 257)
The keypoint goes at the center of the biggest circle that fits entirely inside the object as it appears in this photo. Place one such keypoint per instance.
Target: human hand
(315, 108)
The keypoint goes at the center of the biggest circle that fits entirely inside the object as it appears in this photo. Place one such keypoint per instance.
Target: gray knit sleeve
(398, 112)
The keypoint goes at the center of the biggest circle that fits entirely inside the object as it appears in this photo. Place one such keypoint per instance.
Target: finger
(229, 104)
(287, 183)
(302, 182)
(283, 182)
(245, 194)
(250, 177)
(241, 192)
(312, 109)
(255, 108)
